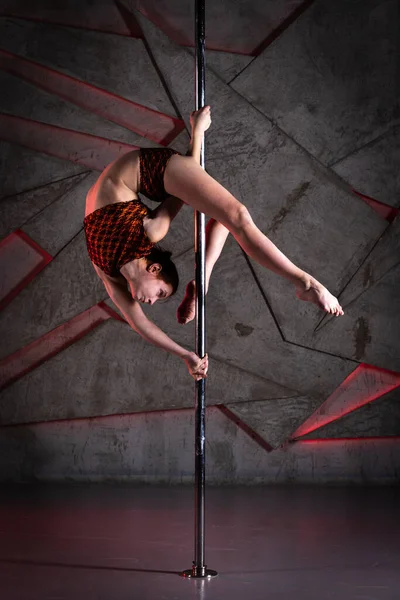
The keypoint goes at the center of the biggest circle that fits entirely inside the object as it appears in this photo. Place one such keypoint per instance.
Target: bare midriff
(119, 182)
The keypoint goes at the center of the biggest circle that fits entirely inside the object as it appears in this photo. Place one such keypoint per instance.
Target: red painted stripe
(132, 28)
(26, 359)
(73, 19)
(21, 234)
(149, 123)
(180, 36)
(244, 427)
(378, 438)
(115, 416)
(384, 210)
(43, 259)
(365, 384)
(277, 32)
(88, 150)
(111, 312)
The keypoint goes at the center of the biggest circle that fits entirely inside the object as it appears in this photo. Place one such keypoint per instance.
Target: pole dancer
(122, 236)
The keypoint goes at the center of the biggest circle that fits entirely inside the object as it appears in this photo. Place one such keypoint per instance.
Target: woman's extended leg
(185, 179)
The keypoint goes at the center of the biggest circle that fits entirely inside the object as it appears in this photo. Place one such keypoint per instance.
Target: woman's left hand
(197, 366)
(200, 120)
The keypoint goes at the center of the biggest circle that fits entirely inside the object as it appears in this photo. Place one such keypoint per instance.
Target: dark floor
(127, 542)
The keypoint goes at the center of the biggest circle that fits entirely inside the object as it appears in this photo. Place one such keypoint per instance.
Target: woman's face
(148, 288)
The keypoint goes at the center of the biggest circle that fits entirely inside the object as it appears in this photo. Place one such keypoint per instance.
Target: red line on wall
(277, 32)
(181, 37)
(67, 22)
(244, 427)
(85, 149)
(157, 18)
(20, 363)
(149, 123)
(338, 440)
(364, 385)
(46, 258)
(21, 234)
(100, 417)
(111, 312)
(384, 210)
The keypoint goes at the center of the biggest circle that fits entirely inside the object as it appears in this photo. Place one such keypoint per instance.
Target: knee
(241, 218)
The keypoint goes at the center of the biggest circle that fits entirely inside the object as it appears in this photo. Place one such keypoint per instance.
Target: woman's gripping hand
(197, 366)
(200, 120)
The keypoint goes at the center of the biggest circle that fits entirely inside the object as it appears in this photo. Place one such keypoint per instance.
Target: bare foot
(187, 309)
(313, 291)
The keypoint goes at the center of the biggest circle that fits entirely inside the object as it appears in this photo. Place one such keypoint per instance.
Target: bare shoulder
(112, 282)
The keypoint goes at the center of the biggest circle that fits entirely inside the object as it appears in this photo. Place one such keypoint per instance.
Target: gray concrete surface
(276, 419)
(44, 228)
(53, 297)
(112, 371)
(340, 60)
(274, 360)
(250, 338)
(159, 446)
(236, 26)
(25, 100)
(289, 196)
(373, 170)
(225, 64)
(370, 327)
(77, 13)
(18, 210)
(23, 170)
(376, 419)
(115, 63)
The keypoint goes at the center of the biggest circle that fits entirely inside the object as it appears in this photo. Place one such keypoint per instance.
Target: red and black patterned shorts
(153, 162)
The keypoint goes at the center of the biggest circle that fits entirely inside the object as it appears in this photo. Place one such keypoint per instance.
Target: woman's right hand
(197, 366)
(200, 120)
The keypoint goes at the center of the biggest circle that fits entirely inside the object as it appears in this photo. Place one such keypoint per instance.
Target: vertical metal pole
(199, 569)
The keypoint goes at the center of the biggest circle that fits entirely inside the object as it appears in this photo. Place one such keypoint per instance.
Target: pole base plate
(199, 573)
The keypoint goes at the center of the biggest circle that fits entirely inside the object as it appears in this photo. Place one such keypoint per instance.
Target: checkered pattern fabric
(115, 235)
(152, 166)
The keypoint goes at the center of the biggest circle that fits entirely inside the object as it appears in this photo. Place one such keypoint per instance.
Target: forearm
(158, 226)
(151, 333)
(136, 318)
(195, 145)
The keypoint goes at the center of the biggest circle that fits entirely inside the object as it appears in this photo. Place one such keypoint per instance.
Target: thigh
(185, 179)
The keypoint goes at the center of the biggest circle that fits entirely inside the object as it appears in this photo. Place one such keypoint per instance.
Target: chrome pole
(199, 568)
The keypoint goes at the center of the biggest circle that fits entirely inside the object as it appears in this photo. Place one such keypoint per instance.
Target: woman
(121, 234)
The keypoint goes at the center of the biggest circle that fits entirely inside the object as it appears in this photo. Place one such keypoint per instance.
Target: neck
(133, 269)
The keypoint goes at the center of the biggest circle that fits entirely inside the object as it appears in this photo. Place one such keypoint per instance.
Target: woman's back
(119, 182)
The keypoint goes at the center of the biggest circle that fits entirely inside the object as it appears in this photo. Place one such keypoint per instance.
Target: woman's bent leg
(185, 179)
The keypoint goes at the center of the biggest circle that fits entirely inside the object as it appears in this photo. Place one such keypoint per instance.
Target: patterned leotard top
(115, 235)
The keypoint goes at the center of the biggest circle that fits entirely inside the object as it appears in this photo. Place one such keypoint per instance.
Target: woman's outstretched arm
(136, 318)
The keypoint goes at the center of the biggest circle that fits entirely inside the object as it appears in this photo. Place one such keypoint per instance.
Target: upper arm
(118, 292)
(157, 225)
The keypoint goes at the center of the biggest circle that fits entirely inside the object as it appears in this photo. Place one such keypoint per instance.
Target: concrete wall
(305, 132)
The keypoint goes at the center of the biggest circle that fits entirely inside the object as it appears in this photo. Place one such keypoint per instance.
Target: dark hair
(169, 274)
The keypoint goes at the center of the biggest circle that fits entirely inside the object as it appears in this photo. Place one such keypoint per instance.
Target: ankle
(304, 281)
